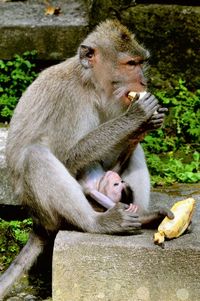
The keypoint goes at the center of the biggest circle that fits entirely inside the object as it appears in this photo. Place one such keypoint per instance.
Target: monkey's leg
(56, 193)
(137, 176)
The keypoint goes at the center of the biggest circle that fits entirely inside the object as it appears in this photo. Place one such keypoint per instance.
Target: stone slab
(3, 137)
(91, 267)
(99, 267)
(24, 26)
(6, 194)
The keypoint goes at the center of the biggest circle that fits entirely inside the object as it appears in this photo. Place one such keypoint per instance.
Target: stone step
(90, 267)
(24, 26)
(9, 206)
(6, 195)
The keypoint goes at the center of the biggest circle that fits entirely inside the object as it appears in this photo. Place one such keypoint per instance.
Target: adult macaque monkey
(74, 114)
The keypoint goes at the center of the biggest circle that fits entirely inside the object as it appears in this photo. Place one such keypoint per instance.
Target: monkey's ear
(86, 56)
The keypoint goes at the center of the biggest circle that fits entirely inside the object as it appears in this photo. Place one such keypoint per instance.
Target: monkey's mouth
(124, 97)
(129, 97)
(133, 96)
(126, 100)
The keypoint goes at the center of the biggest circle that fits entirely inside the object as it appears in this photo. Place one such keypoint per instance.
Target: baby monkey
(107, 188)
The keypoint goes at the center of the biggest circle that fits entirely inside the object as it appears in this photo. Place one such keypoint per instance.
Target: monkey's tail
(22, 263)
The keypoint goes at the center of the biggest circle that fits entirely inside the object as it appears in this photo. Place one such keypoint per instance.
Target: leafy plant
(184, 114)
(15, 76)
(170, 169)
(173, 151)
(13, 236)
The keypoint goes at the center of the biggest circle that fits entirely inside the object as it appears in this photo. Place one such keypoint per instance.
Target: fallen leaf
(52, 10)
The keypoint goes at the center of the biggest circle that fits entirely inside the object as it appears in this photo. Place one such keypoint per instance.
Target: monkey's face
(128, 75)
(112, 186)
(116, 61)
(117, 76)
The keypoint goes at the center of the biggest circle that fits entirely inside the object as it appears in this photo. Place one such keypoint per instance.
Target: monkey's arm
(98, 143)
(102, 199)
(153, 123)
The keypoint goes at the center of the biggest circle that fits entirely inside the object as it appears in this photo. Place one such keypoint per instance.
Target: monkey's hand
(155, 217)
(118, 220)
(162, 212)
(157, 119)
(132, 208)
(143, 108)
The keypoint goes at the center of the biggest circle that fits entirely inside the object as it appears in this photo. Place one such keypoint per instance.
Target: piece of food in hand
(136, 95)
(173, 228)
(133, 96)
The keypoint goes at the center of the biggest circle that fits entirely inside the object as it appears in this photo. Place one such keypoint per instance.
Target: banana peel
(173, 228)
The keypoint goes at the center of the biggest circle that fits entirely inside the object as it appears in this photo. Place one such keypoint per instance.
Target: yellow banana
(133, 96)
(173, 228)
(136, 95)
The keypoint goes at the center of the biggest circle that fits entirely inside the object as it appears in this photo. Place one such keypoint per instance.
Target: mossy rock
(170, 32)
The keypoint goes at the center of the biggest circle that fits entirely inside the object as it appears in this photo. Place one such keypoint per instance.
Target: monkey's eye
(115, 184)
(122, 181)
(138, 62)
(131, 63)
